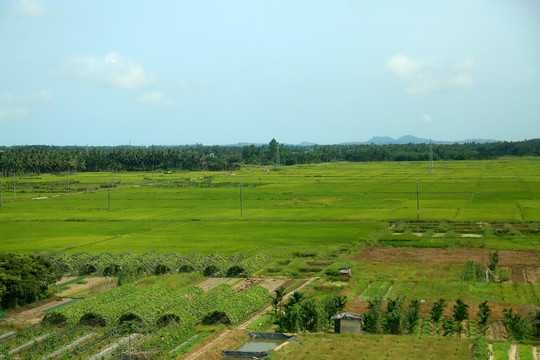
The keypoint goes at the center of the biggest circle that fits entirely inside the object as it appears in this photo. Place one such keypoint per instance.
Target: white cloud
(426, 118)
(465, 65)
(30, 9)
(461, 81)
(403, 66)
(112, 70)
(8, 115)
(41, 97)
(422, 76)
(155, 98)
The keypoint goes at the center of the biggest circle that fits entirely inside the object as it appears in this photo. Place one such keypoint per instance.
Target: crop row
(108, 264)
(187, 305)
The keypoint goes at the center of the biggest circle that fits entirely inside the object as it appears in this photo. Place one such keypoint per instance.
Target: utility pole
(0, 194)
(241, 202)
(109, 195)
(277, 155)
(430, 158)
(417, 200)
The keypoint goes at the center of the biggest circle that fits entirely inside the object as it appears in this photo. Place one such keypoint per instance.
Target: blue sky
(221, 72)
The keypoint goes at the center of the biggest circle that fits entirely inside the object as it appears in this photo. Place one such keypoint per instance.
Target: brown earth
(497, 331)
(34, 315)
(532, 274)
(210, 283)
(270, 284)
(73, 288)
(453, 256)
(518, 274)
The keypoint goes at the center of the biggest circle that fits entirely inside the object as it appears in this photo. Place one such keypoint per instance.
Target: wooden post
(109, 195)
(241, 202)
(1, 193)
(417, 200)
(14, 177)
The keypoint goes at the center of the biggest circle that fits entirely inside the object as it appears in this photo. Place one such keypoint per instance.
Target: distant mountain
(245, 144)
(307, 143)
(409, 139)
(383, 140)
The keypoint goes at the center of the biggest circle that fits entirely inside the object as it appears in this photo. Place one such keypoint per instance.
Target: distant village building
(345, 271)
(348, 323)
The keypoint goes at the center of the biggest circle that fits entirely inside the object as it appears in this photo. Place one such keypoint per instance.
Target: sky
(222, 72)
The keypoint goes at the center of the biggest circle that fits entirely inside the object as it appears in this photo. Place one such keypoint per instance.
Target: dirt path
(33, 316)
(535, 353)
(491, 354)
(214, 343)
(512, 353)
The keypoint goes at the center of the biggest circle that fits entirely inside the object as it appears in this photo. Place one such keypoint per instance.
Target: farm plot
(447, 256)
(345, 346)
(377, 289)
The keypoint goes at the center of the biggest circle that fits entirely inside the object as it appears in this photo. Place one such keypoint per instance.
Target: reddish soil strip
(518, 275)
(453, 256)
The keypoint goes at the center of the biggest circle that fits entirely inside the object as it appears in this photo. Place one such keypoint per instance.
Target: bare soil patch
(452, 256)
(518, 275)
(532, 274)
(34, 315)
(212, 348)
(91, 282)
(210, 283)
(270, 284)
(497, 331)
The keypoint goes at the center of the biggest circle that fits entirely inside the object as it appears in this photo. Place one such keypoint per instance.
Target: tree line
(54, 159)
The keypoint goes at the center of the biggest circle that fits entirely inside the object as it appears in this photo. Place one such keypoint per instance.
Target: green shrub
(468, 272)
(235, 270)
(211, 270)
(503, 275)
(331, 272)
(481, 349)
(54, 318)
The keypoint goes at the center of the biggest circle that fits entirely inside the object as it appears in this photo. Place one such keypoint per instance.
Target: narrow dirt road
(212, 344)
(34, 315)
(512, 352)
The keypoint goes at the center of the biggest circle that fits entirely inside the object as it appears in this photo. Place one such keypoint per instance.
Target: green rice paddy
(302, 206)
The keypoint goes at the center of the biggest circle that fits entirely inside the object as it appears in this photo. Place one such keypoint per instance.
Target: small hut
(345, 271)
(347, 322)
